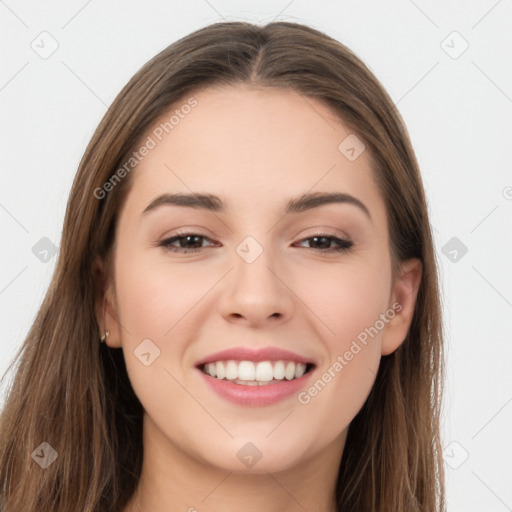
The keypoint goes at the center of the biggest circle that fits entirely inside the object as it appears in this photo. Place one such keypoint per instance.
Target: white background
(458, 112)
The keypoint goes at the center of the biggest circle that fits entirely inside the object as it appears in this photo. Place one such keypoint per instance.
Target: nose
(257, 293)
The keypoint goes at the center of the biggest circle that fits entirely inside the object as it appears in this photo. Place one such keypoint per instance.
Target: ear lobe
(403, 301)
(104, 304)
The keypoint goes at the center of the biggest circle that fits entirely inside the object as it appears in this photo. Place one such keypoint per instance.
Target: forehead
(254, 147)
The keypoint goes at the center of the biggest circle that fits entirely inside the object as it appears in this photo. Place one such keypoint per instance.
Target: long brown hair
(73, 393)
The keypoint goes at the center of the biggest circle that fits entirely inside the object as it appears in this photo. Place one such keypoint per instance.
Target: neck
(173, 479)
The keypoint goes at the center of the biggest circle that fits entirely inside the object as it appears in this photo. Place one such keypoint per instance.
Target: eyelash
(343, 245)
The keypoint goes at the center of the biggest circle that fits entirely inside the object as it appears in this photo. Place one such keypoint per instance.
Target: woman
(248, 225)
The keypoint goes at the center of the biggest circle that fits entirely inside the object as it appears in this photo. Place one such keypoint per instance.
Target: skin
(255, 148)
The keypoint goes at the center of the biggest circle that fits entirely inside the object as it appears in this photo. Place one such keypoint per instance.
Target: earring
(105, 336)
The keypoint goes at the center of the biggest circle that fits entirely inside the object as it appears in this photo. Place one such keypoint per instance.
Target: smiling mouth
(261, 373)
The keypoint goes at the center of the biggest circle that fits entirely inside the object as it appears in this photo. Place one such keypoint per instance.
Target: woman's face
(261, 277)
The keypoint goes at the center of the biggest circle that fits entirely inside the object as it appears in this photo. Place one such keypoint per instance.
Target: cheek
(339, 391)
(154, 301)
(345, 298)
(349, 300)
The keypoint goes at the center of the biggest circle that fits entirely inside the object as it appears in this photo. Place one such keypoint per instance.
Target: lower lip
(257, 396)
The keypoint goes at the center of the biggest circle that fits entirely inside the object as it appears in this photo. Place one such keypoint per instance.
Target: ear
(403, 301)
(105, 309)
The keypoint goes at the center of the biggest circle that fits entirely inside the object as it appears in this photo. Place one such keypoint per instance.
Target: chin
(255, 455)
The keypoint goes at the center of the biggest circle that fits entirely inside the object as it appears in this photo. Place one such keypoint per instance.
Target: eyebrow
(213, 203)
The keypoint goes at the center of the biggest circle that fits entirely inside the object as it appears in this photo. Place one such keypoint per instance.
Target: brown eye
(187, 242)
(192, 242)
(324, 241)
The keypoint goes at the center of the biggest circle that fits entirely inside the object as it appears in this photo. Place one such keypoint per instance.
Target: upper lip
(251, 354)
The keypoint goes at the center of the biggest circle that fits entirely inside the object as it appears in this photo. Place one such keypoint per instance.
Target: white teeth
(253, 382)
(279, 370)
(219, 370)
(289, 372)
(211, 369)
(300, 369)
(264, 371)
(231, 370)
(251, 373)
(246, 370)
